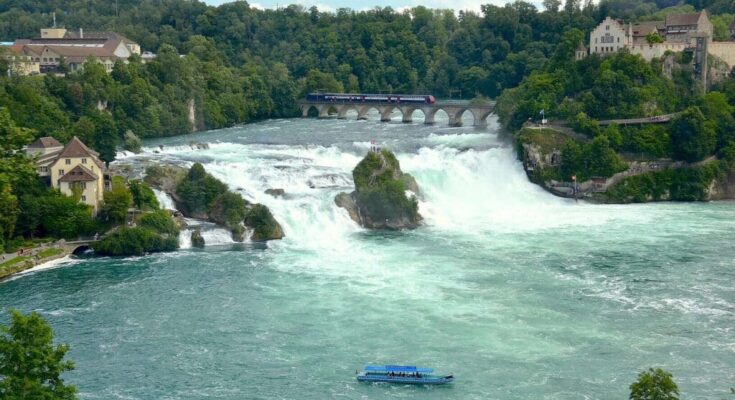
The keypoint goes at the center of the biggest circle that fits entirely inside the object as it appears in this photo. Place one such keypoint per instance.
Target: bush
(654, 384)
(198, 191)
(135, 242)
(260, 219)
(228, 209)
(596, 158)
(693, 137)
(117, 201)
(143, 196)
(159, 221)
(684, 184)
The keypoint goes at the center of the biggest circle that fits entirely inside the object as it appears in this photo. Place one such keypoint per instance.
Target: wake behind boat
(404, 374)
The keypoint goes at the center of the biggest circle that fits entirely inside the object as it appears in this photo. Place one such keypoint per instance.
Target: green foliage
(143, 196)
(228, 209)
(117, 201)
(159, 221)
(131, 142)
(30, 364)
(693, 137)
(12, 137)
(198, 191)
(55, 215)
(619, 86)
(264, 226)
(654, 384)
(9, 211)
(683, 184)
(380, 189)
(584, 124)
(653, 38)
(135, 242)
(649, 140)
(589, 160)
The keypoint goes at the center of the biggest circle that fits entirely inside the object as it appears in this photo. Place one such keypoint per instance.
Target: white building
(609, 37)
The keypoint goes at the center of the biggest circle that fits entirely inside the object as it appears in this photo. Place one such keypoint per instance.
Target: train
(370, 98)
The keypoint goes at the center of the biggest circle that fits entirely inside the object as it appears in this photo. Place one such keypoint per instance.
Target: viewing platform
(453, 108)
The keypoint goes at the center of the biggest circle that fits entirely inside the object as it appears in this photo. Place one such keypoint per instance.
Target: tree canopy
(30, 364)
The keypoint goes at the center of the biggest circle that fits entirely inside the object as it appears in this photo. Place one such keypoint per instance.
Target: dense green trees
(198, 191)
(693, 137)
(135, 241)
(117, 200)
(30, 364)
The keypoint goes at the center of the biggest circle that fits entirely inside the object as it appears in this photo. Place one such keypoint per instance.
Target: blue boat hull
(404, 380)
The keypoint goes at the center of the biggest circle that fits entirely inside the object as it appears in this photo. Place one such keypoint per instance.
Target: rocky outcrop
(199, 195)
(196, 238)
(379, 200)
(264, 225)
(165, 178)
(275, 192)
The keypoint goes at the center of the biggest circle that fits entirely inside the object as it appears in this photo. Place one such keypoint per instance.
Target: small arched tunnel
(81, 249)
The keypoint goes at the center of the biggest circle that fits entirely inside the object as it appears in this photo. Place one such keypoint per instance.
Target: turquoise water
(520, 294)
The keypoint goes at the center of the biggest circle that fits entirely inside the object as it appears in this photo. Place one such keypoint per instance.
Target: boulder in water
(275, 192)
(379, 200)
(197, 240)
(265, 227)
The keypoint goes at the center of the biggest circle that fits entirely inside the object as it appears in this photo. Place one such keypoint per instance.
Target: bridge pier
(362, 113)
(480, 116)
(455, 115)
(407, 113)
(342, 111)
(429, 114)
(385, 113)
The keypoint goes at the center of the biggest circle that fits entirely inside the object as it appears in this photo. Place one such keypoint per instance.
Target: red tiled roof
(75, 148)
(44, 143)
(79, 174)
(644, 28)
(682, 19)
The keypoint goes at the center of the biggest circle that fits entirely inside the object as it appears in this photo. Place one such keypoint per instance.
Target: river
(520, 294)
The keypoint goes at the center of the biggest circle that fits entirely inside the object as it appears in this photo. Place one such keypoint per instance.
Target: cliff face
(379, 200)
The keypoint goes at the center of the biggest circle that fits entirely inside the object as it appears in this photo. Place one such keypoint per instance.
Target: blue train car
(370, 98)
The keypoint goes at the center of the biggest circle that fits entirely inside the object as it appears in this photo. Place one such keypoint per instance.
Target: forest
(234, 64)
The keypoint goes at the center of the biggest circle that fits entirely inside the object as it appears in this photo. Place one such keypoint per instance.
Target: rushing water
(520, 294)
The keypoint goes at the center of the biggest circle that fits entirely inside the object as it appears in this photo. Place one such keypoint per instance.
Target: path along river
(520, 294)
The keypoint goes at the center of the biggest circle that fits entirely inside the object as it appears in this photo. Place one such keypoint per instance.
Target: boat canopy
(397, 368)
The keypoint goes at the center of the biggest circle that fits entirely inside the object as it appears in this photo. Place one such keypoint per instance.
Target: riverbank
(36, 257)
(639, 180)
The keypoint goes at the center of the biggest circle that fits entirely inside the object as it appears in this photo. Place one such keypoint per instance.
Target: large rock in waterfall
(202, 196)
(380, 200)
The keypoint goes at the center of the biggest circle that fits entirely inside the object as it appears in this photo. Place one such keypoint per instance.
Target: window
(84, 198)
(607, 27)
(61, 172)
(84, 185)
(84, 160)
(68, 161)
(595, 40)
(618, 40)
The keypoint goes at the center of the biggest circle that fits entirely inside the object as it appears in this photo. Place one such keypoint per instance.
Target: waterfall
(164, 200)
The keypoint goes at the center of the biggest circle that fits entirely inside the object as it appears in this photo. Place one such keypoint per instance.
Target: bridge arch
(81, 249)
(308, 110)
(363, 111)
(344, 109)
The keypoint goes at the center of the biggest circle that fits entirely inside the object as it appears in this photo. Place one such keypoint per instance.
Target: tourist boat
(404, 374)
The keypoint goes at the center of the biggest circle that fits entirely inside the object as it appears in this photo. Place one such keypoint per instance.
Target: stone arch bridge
(454, 110)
